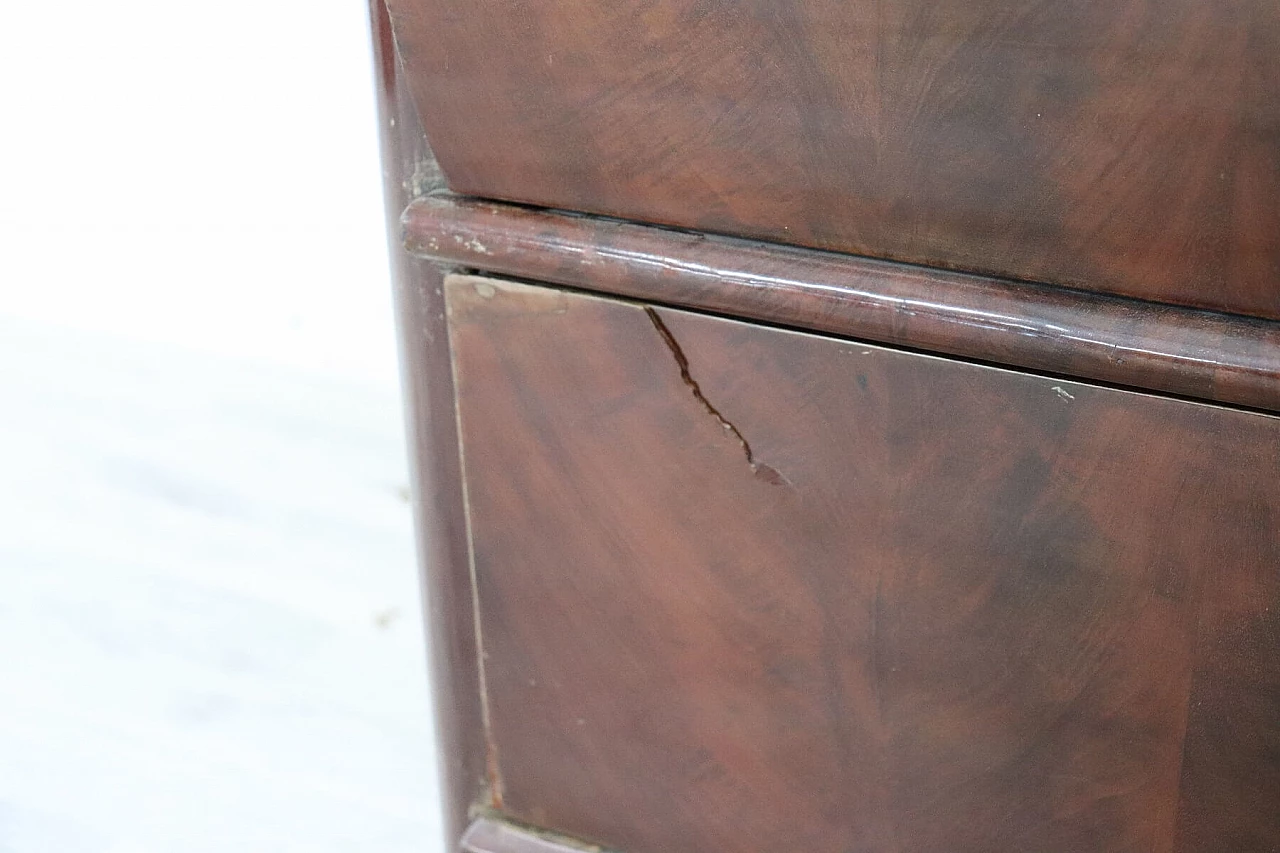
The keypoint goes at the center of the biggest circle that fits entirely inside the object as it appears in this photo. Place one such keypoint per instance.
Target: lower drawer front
(746, 589)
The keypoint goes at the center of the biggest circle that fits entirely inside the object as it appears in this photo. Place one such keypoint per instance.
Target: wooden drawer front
(1109, 145)
(745, 589)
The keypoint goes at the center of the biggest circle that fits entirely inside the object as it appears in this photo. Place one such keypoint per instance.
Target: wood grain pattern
(1193, 353)
(974, 610)
(435, 474)
(1109, 145)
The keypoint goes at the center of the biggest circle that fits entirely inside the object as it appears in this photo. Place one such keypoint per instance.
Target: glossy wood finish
(433, 450)
(1111, 145)
(904, 604)
(1200, 354)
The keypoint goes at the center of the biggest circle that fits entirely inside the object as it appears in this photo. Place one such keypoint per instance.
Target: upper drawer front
(1105, 144)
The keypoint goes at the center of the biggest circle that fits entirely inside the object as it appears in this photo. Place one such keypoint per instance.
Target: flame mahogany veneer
(905, 603)
(919, 493)
(1121, 146)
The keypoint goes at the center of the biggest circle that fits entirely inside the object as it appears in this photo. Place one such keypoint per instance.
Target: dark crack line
(682, 361)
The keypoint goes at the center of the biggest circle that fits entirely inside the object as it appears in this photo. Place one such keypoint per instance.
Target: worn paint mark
(426, 178)
(1063, 392)
(761, 470)
(494, 832)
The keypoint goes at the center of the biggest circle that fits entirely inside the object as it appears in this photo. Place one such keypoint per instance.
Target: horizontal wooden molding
(490, 835)
(1187, 352)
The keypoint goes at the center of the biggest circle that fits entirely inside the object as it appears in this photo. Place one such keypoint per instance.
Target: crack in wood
(761, 470)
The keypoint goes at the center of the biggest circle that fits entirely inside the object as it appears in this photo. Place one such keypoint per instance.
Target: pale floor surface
(209, 621)
(210, 632)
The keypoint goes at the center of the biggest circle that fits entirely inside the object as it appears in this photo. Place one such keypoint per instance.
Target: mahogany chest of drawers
(845, 427)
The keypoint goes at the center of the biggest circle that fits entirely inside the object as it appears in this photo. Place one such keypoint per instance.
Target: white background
(210, 635)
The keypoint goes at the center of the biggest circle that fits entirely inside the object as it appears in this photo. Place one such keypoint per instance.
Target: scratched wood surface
(750, 589)
(1112, 145)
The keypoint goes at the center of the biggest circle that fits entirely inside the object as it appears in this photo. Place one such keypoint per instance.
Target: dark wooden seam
(1182, 351)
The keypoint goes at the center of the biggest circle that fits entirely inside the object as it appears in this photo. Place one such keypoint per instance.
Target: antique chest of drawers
(844, 426)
